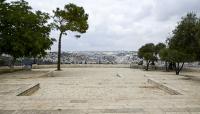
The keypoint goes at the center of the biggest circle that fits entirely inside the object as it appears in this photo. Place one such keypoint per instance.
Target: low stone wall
(135, 66)
(29, 90)
(83, 66)
(162, 68)
(192, 69)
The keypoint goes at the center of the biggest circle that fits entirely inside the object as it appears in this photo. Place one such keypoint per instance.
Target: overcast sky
(121, 24)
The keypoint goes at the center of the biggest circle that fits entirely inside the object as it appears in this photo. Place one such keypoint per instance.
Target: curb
(29, 90)
(163, 87)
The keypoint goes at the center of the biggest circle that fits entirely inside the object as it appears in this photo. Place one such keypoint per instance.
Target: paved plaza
(100, 91)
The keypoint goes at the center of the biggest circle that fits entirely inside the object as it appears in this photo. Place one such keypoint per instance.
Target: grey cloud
(122, 24)
(167, 9)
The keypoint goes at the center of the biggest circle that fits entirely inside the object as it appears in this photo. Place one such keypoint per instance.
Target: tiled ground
(104, 91)
(92, 83)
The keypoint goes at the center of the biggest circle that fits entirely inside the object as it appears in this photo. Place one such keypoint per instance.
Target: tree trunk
(147, 68)
(13, 63)
(59, 51)
(34, 60)
(177, 72)
(182, 66)
(178, 68)
(166, 66)
(170, 66)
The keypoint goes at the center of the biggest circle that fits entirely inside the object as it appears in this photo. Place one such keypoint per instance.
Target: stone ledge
(170, 90)
(29, 90)
(82, 66)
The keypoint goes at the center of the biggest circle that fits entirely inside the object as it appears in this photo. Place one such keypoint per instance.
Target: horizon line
(95, 51)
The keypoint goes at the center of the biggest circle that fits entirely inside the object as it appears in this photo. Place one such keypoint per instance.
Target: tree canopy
(149, 52)
(146, 52)
(23, 33)
(184, 45)
(159, 47)
(185, 38)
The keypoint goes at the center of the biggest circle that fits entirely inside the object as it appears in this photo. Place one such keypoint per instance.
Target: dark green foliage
(171, 55)
(147, 52)
(71, 18)
(159, 47)
(175, 57)
(164, 55)
(185, 37)
(23, 33)
(39, 36)
(198, 40)
(184, 45)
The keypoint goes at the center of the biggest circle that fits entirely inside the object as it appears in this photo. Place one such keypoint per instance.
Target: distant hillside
(93, 57)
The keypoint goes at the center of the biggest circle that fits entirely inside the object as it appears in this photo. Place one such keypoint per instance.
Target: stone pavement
(104, 91)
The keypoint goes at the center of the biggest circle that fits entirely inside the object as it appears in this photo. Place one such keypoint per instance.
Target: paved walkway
(103, 91)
